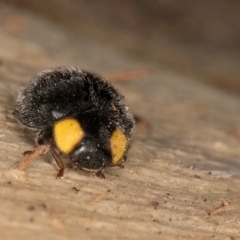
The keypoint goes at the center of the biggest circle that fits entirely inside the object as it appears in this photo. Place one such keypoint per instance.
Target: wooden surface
(181, 180)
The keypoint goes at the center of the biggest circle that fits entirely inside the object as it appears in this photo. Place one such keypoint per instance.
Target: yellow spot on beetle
(118, 144)
(67, 134)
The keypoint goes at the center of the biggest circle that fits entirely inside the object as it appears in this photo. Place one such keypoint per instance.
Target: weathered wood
(166, 190)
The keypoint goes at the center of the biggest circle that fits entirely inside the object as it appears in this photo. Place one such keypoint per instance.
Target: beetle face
(90, 155)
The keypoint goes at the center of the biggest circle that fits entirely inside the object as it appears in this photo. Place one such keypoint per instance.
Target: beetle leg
(99, 174)
(58, 160)
(32, 155)
(121, 163)
(26, 153)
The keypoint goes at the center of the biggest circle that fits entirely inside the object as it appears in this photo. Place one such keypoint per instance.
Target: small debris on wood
(98, 198)
(220, 208)
(31, 208)
(75, 189)
(43, 205)
(154, 204)
(197, 176)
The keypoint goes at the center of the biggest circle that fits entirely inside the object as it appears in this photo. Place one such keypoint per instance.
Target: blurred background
(196, 38)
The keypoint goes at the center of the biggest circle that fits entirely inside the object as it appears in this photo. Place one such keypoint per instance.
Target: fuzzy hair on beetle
(79, 114)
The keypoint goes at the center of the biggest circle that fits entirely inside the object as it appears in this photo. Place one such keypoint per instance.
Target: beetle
(79, 114)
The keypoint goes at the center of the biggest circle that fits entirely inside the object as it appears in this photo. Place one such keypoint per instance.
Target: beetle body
(79, 114)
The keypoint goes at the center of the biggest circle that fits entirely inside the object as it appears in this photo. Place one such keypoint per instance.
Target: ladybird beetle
(79, 114)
